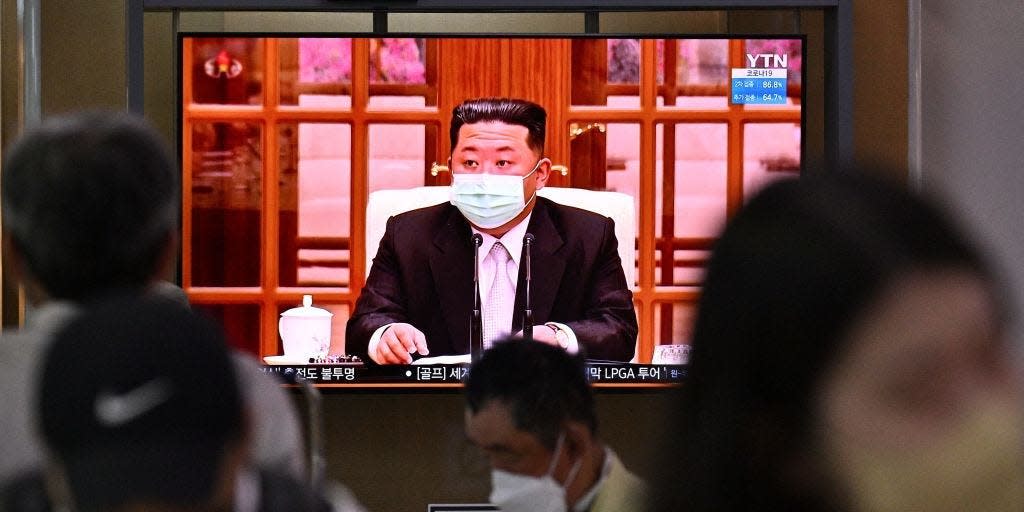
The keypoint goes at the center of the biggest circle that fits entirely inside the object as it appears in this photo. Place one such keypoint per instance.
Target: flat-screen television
(286, 139)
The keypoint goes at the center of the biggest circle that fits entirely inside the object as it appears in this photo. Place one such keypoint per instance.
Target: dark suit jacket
(423, 275)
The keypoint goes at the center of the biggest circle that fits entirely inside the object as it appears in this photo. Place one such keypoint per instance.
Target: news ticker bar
(358, 373)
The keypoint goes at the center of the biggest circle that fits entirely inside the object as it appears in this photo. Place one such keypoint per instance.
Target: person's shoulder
(279, 491)
(622, 490)
(25, 492)
(21, 358)
(22, 351)
(427, 215)
(276, 439)
(14, 343)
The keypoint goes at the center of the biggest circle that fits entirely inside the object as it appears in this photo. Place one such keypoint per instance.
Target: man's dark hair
(89, 201)
(505, 110)
(542, 386)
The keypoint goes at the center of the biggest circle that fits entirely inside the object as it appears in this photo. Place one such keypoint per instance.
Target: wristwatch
(560, 336)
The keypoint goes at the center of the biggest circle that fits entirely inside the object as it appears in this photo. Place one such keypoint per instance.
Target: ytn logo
(770, 60)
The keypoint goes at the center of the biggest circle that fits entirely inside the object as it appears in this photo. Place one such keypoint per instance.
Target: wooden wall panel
(468, 71)
(537, 68)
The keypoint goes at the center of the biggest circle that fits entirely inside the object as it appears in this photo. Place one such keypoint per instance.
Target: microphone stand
(527, 311)
(476, 332)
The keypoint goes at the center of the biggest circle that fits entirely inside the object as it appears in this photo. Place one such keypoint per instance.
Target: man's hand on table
(398, 343)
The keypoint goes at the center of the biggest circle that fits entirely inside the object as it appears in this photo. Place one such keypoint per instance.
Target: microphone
(476, 331)
(527, 311)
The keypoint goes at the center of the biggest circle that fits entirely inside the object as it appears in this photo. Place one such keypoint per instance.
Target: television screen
(296, 149)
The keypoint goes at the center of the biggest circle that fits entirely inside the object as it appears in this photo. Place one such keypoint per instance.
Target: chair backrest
(382, 204)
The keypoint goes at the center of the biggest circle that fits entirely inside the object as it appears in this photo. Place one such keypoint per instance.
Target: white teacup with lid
(305, 331)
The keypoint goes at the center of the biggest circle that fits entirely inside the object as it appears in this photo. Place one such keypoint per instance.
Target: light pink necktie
(497, 319)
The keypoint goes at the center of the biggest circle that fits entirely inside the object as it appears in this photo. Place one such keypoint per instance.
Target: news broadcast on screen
(368, 211)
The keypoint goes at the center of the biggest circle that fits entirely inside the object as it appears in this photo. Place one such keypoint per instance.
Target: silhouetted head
(90, 203)
(834, 306)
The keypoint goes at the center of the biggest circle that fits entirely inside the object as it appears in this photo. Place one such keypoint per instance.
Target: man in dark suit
(418, 298)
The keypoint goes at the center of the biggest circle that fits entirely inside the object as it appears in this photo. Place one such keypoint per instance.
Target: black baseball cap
(138, 402)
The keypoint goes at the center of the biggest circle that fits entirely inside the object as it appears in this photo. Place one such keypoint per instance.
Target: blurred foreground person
(90, 206)
(848, 354)
(530, 409)
(140, 410)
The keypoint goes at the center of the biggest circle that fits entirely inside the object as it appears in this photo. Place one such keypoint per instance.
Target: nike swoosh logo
(113, 410)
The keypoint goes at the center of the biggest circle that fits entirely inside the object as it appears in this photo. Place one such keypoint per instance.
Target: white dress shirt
(513, 242)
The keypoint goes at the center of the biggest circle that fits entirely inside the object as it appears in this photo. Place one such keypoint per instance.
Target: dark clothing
(423, 275)
(278, 493)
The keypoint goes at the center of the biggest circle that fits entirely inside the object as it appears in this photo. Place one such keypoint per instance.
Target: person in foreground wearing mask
(530, 409)
(418, 298)
(849, 354)
(139, 409)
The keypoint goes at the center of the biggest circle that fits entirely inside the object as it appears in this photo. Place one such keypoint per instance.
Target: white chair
(383, 204)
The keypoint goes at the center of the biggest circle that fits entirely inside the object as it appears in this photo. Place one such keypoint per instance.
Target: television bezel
(837, 83)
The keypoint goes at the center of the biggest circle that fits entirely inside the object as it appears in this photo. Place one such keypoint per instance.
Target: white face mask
(978, 466)
(513, 492)
(489, 200)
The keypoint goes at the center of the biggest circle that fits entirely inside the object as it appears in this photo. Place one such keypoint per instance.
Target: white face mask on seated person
(923, 409)
(513, 492)
(490, 200)
(979, 466)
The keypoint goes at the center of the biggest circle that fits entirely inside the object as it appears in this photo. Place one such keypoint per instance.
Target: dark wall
(83, 55)
(880, 84)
